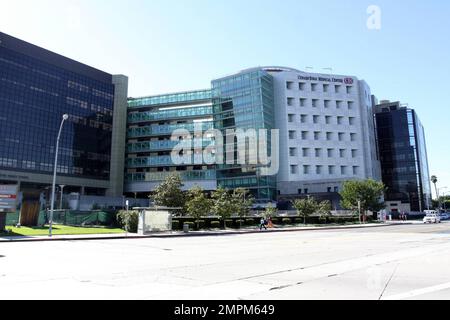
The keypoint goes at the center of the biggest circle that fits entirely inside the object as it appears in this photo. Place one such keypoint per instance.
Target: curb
(209, 234)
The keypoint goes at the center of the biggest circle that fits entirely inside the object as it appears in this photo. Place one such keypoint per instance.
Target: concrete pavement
(399, 262)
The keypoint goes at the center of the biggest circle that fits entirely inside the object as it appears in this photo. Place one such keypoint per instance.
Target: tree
(169, 193)
(324, 209)
(434, 180)
(305, 207)
(365, 195)
(223, 204)
(242, 202)
(271, 211)
(198, 204)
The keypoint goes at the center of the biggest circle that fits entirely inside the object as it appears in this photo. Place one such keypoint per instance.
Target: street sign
(8, 198)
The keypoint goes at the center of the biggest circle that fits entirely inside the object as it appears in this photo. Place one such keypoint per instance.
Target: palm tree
(434, 179)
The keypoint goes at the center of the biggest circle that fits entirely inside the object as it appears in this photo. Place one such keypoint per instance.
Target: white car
(432, 218)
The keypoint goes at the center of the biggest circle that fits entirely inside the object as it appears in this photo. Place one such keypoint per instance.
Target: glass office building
(150, 141)
(245, 101)
(403, 156)
(36, 88)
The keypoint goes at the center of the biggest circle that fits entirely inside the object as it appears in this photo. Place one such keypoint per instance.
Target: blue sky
(173, 45)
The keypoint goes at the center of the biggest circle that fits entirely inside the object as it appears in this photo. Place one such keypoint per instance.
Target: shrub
(190, 224)
(215, 224)
(250, 222)
(176, 225)
(129, 221)
(201, 224)
(286, 221)
(228, 223)
(239, 223)
(299, 220)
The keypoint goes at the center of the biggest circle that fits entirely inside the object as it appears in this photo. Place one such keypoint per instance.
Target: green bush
(250, 222)
(215, 224)
(240, 223)
(176, 225)
(286, 221)
(228, 223)
(299, 220)
(190, 224)
(129, 221)
(201, 224)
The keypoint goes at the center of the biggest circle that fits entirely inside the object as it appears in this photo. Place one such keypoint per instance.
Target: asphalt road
(396, 262)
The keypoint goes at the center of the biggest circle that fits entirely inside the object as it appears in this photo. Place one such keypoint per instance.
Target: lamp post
(55, 169)
(62, 193)
(439, 198)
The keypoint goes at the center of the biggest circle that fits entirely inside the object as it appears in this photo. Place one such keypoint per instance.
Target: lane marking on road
(419, 292)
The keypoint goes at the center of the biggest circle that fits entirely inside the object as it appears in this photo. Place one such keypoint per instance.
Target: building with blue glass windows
(404, 160)
(36, 88)
(150, 140)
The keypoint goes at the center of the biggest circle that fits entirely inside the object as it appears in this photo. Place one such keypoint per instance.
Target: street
(394, 262)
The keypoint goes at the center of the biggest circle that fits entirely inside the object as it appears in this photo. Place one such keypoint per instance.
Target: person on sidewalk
(263, 224)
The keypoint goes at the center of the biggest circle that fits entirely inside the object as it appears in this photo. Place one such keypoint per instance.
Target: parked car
(444, 216)
(432, 218)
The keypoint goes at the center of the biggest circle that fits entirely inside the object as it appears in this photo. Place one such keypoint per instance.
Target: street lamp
(439, 197)
(62, 194)
(52, 205)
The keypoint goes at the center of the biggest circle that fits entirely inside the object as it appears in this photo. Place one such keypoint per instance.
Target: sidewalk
(177, 234)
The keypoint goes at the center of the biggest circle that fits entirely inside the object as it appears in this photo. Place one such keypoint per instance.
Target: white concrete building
(327, 131)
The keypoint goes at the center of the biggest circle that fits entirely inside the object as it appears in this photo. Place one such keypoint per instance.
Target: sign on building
(8, 198)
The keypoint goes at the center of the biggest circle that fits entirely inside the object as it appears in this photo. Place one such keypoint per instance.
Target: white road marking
(419, 292)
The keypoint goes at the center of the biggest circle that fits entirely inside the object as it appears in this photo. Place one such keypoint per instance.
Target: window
(299, 191)
(326, 87)
(315, 103)
(329, 190)
(306, 169)
(317, 135)
(353, 137)
(301, 86)
(290, 101)
(294, 169)
(343, 170)
(316, 119)
(341, 136)
(354, 153)
(293, 152)
(338, 104)
(318, 153)
(351, 105)
(342, 153)
(327, 104)
(289, 85)
(302, 102)
(355, 171)
(313, 87)
(349, 89)
(328, 119)
(336, 189)
(331, 169)
(318, 169)
(303, 118)
(304, 135)
(291, 118)
(340, 120)
(292, 135)
(337, 88)
(330, 153)
(305, 152)
(329, 136)
(306, 191)
(352, 121)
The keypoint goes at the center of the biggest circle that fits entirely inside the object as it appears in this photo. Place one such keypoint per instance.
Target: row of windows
(306, 191)
(314, 87)
(317, 103)
(331, 170)
(317, 135)
(340, 120)
(319, 152)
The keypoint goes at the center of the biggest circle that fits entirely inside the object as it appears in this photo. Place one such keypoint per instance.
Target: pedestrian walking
(263, 224)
